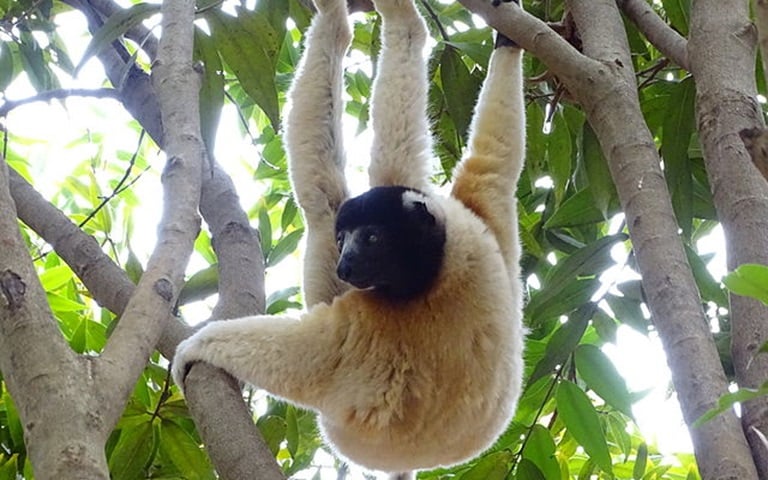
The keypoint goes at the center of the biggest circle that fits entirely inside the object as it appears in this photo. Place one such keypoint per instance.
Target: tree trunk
(722, 55)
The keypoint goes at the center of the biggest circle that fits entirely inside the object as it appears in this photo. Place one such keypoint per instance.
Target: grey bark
(230, 435)
(722, 53)
(602, 81)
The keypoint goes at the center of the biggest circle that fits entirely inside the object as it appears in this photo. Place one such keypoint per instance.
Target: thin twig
(49, 95)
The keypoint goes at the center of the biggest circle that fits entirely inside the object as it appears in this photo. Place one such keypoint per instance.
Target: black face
(395, 249)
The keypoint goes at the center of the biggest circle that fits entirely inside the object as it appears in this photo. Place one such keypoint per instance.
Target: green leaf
(599, 373)
(212, 88)
(133, 452)
(265, 232)
(559, 154)
(13, 422)
(582, 421)
(677, 130)
(59, 303)
(273, 429)
(527, 470)
(749, 280)
(640, 462)
(291, 430)
(7, 71)
(202, 284)
(133, 266)
(562, 343)
(116, 25)
(540, 449)
(709, 287)
(185, 452)
(460, 89)
(728, 400)
(578, 209)
(56, 277)
(35, 65)
(678, 13)
(572, 280)
(284, 247)
(628, 311)
(249, 44)
(598, 175)
(494, 466)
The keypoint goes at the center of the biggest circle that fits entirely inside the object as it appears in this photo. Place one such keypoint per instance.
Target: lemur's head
(391, 239)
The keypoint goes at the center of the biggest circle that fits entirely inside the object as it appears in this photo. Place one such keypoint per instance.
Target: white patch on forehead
(411, 198)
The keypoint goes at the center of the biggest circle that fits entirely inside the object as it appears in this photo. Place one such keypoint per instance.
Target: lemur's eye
(372, 238)
(340, 240)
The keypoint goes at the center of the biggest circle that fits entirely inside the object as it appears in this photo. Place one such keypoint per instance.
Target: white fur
(398, 385)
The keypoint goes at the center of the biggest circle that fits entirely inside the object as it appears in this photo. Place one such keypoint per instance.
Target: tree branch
(63, 93)
(673, 45)
(607, 90)
(128, 349)
(107, 283)
(38, 365)
(722, 54)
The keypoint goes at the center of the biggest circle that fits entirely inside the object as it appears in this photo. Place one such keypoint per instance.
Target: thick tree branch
(661, 35)
(107, 283)
(39, 367)
(538, 38)
(722, 55)
(140, 327)
(606, 89)
(226, 426)
(214, 398)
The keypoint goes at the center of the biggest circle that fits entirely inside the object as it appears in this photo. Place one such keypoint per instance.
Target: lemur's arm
(487, 179)
(402, 145)
(313, 139)
(289, 357)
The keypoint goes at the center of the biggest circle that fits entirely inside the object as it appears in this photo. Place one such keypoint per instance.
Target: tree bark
(603, 83)
(62, 428)
(722, 55)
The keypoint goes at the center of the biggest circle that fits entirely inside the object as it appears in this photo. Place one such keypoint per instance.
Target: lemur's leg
(487, 179)
(313, 141)
(402, 145)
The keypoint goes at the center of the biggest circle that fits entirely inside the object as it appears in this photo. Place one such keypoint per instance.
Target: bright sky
(52, 155)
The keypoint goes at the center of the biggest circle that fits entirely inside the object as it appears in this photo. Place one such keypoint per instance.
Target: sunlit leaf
(540, 449)
(581, 419)
(728, 400)
(749, 280)
(116, 25)
(597, 370)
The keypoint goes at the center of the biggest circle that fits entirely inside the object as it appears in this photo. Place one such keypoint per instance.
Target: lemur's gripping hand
(501, 39)
(187, 354)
